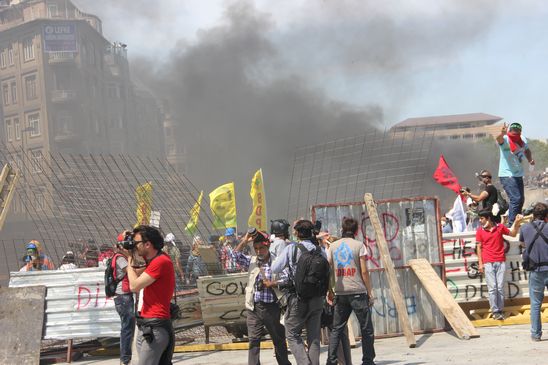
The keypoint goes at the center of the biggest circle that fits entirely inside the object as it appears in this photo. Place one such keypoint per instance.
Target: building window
(3, 58)
(30, 87)
(10, 56)
(34, 123)
(6, 94)
(52, 10)
(9, 130)
(64, 122)
(13, 92)
(36, 156)
(17, 126)
(28, 49)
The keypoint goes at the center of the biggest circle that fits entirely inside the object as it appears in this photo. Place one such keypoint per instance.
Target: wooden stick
(388, 265)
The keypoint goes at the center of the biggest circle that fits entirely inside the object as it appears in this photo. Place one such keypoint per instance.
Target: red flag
(445, 177)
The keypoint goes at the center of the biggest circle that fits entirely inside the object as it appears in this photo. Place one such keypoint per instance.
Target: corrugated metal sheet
(461, 266)
(411, 231)
(76, 306)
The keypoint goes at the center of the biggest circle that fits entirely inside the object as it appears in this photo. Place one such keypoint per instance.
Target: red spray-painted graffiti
(91, 298)
(391, 228)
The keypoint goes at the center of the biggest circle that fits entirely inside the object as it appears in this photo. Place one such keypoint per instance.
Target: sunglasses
(485, 176)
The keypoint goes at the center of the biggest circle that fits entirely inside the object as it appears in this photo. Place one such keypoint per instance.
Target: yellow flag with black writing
(222, 202)
(194, 214)
(257, 218)
(143, 195)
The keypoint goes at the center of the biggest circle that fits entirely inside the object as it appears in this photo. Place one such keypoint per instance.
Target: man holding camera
(123, 301)
(260, 299)
(155, 337)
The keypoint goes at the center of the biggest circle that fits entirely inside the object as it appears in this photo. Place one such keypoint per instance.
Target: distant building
(475, 126)
(65, 88)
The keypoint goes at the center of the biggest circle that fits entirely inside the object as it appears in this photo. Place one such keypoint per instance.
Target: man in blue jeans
(353, 292)
(513, 149)
(534, 236)
(124, 303)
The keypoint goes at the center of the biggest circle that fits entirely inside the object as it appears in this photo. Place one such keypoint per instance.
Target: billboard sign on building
(59, 37)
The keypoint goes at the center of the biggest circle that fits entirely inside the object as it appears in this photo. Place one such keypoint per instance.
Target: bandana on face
(515, 141)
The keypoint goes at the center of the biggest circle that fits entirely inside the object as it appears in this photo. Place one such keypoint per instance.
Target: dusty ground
(496, 346)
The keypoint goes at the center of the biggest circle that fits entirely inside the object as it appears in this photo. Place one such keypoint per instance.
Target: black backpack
(111, 283)
(311, 277)
(502, 202)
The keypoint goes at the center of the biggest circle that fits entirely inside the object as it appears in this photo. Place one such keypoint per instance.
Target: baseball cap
(515, 126)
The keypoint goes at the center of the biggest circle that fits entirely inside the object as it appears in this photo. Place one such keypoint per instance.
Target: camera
(252, 231)
(259, 285)
(127, 243)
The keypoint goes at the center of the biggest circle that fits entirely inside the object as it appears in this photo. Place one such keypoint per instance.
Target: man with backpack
(534, 236)
(117, 286)
(309, 277)
(353, 291)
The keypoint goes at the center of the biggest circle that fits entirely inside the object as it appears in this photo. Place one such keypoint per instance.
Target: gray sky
(412, 58)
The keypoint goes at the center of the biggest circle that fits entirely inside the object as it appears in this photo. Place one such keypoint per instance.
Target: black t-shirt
(491, 199)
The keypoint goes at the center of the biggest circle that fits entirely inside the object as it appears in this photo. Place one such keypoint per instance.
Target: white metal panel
(411, 230)
(76, 306)
(461, 268)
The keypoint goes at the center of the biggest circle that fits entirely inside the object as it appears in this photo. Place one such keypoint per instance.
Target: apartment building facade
(66, 88)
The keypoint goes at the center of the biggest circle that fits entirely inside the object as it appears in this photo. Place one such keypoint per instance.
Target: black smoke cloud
(244, 99)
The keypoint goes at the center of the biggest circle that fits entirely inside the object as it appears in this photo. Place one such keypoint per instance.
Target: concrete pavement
(504, 345)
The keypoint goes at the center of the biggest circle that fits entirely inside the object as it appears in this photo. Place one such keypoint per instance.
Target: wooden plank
(388, 265)
(5, 204)
(443, 298)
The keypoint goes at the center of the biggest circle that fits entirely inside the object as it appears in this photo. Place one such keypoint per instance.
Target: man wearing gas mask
(263, 311)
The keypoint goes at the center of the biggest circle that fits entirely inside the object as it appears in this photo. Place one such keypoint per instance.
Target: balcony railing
(59, 96)
(61, 57)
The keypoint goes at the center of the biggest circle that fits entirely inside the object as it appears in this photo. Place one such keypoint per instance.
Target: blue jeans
(126, 310)
(516, 194)
(494, 277)
(344, 305)
(538, 281)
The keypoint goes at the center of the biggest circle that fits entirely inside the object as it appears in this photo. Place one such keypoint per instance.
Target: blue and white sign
(59, 37)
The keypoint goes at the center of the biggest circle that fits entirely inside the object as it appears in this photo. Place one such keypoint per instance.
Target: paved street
(497, 346)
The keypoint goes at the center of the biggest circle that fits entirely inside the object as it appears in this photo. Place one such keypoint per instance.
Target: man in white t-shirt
(352, 288)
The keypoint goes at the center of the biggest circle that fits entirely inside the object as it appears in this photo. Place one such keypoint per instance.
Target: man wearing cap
(513, 149)
(227, 260)
(261, 299)
(488, 196)
(35, 259)
(123, 301)
(172, 250)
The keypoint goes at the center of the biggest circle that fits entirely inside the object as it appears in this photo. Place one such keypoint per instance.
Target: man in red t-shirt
(491, 257)
(155, 338)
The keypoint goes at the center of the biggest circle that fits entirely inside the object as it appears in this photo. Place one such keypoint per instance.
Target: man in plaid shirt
(263, 311)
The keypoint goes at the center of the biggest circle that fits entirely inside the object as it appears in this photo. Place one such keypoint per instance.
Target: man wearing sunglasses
(513, 150)
(155, 337)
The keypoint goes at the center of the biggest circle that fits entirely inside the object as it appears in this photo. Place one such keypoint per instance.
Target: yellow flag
(222, 202)
(143, 195)
(194, 214)
(257, 218)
